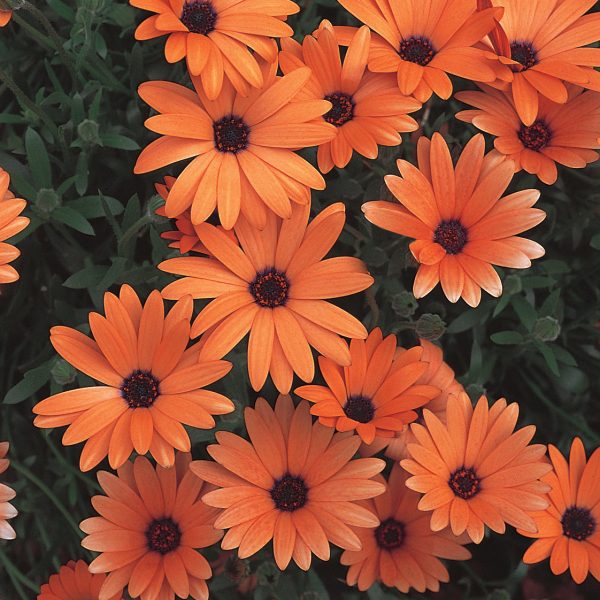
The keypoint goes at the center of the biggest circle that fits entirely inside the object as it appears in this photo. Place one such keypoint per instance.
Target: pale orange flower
(7, 510)
(568, 531)
(295, 483)
(220, 39)
(367, 108)
(275, 286)
(402, 552)
(152, 523)
(5, 17)
(474, 470)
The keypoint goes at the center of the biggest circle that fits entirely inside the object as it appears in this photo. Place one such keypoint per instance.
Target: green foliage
(71, 124)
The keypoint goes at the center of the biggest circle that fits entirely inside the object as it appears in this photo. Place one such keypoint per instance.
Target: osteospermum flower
(474, 471)
(74, 582)
(151, 386)
(243, 147)
(294, 483)
(402, 552)
(562, 133)
(367, 108)
(7, 510)
(423, 46)
(438, 374)
(5, 17)
(568, 531)
(461, 223)
(152, 522)
(377, 394)
(545, 40)
(10, 224)
(274, 285)
(220, 39)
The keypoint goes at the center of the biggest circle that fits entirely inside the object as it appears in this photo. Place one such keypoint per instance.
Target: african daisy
(7, 510)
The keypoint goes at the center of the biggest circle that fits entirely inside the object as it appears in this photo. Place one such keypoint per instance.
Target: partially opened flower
(423, 46)
(5, 17)
(74, 582)
(243, 147)
(7, 510)
(219, 39)
(568, 531)
(295, 483)
(367, 108)
(274, 284)
(402, 552)
(152, 384)
(152, 523)
(566, 133)
(377, 394)
(10, 224)
(438, 374)
(475, 470)
(460, 222)
(546, 39)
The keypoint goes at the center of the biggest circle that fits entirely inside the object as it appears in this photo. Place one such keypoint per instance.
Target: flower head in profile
(11, 223)
(74, 582)
(566, 134)
(219, 39)
(152, 383)
(461, 223)
(295, 482)
(275, 285)
(568, 531)
(367, 108)
(243, 148)
(545, 45)
(152, 523)
(475, 470)
(7, 510)
(377, 394)
(423, 46)
(439, 375)
(402, 552)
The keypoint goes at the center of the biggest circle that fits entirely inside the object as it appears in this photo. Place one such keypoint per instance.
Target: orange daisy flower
(244, 147)
(274, 285)
(568, 530)
(562, 133)
(74, 582)
(376, 395)
(7, 510)
(402, 552)
(5, 17)
(10, 224)
(152, 522)
(461, 224)
(423, 45)
(474, 471)
(294, 483)
(219, 39)
(438, 374)
(367, 108)
(152, 384)
(545, 44)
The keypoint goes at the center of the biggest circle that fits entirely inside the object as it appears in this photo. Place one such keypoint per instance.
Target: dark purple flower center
(536, 136)
(451, 236)
(163, 536)
(359, 408)
(342, 109)
(578, 523)
(390, 534)
(231, 134)
(464, 483)
(289, 493)
(140, 389)
(523, 53)
(270, 288)
(416, 50)
(199, 16)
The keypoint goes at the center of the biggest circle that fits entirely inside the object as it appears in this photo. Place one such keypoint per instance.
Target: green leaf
(32, 381)
(546, 352)
(86, 278)
(468, 319)
(91, 207)
(121, 142)
(73, 219)
(505, 338)
(37, 158)
(526, 313)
